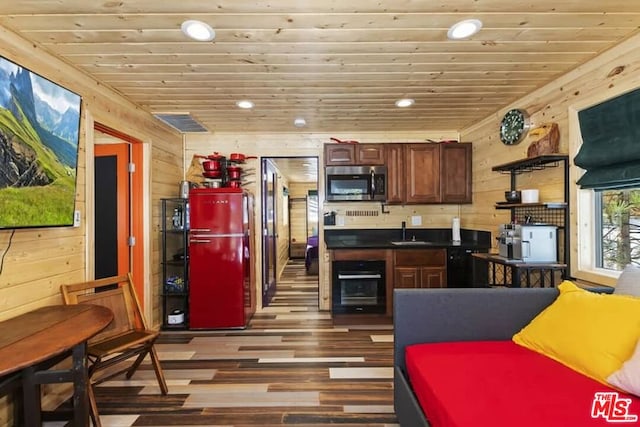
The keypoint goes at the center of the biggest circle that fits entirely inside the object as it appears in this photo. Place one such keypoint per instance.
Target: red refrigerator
(221, 293)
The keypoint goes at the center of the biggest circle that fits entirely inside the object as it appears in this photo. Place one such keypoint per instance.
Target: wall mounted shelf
(532, 163)
(556, 213)
(550, 205)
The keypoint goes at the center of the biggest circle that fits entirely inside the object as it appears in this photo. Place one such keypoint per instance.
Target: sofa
(456, 363)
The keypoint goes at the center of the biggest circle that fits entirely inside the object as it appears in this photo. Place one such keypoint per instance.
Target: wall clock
(514, 126)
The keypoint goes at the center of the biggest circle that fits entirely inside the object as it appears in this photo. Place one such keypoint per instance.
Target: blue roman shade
(610, 151)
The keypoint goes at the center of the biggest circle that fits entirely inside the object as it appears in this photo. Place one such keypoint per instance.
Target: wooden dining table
(32, 343)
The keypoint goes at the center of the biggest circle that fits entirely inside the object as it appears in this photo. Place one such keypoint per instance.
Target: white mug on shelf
(530, 196)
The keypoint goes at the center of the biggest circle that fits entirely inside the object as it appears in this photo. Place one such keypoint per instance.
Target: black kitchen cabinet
(460, 268)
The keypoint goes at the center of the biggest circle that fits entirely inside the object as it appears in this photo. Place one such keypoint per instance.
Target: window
(617, 228)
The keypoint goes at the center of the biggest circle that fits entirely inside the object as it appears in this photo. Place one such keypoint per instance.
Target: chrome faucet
(404, 230)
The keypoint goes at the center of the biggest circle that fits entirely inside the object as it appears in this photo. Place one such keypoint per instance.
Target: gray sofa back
(438, 315)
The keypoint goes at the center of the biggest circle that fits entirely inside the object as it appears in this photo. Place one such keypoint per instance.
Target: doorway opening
(289, 219)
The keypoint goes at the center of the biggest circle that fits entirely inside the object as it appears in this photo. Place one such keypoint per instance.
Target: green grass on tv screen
(49, 205)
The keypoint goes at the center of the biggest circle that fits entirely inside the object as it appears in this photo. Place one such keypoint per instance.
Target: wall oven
(358, 287)
(357, 183)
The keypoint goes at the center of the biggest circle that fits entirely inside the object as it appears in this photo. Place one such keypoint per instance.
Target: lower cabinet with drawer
(420, 268)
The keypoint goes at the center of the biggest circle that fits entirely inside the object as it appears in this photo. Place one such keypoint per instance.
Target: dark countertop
(382, 238)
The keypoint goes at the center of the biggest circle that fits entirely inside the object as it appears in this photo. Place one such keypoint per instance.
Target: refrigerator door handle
(214, 236)
(199, 241)
(200, 230)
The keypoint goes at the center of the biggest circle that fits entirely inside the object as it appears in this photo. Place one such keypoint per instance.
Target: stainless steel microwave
(356, 183)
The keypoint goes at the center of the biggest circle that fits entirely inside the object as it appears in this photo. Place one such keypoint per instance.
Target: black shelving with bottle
(175, 263)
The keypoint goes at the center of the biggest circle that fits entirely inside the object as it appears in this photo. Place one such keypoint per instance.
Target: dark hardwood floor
(292, 366)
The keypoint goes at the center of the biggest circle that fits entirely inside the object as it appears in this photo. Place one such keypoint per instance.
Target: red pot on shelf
(239, 157)
(234, 172)
(234, 183)
(212, 165)
(212, 174)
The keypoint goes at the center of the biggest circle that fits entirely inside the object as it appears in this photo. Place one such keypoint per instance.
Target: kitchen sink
(410, 242)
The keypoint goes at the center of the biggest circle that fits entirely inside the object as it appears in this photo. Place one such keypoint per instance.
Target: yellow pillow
(591, 333)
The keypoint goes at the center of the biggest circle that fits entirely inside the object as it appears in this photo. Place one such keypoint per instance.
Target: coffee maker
(528, 242)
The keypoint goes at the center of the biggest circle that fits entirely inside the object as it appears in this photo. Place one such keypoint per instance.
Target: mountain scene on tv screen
(39, 126)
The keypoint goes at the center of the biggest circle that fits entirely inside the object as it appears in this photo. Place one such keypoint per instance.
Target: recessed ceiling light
(198, 30)
(299, 122)
(464, 29)
(245, 103)
(405, 102)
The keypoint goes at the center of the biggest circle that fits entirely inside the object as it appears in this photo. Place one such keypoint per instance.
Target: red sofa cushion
(501, 384)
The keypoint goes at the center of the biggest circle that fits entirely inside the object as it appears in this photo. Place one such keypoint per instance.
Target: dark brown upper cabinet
(354, 154)
(395, 173)
(370, 154)
(455, 175)
(424, 173)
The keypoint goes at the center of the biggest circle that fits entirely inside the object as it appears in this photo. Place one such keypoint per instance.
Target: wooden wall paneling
(344, 62)
(40, 260)
(297, 227)
(614, 71)
(282, 229)
(298, 221)
(301, 189)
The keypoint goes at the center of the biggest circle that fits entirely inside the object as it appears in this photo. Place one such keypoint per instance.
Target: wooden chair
(126, 337)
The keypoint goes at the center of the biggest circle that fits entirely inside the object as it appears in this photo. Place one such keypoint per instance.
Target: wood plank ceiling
(339, 64)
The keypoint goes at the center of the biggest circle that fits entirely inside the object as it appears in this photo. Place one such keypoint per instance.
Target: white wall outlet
(76, 218)
(340, 220)
(416, 220)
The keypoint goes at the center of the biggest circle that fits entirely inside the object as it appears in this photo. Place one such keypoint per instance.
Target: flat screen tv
(39, 135)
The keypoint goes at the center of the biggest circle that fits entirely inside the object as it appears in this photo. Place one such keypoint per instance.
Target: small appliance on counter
(356, 183)
(330, 218)
(529, 243)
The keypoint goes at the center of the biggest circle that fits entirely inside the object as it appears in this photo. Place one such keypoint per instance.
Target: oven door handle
(359, 276)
